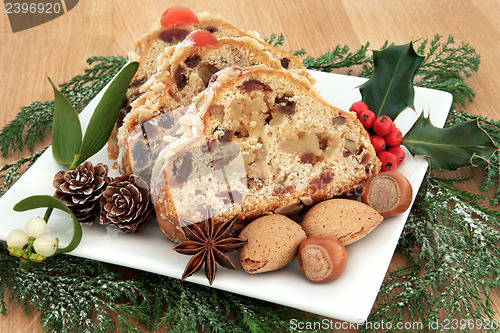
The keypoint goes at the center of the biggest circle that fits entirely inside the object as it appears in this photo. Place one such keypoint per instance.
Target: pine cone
(126, 203)
(81, 189)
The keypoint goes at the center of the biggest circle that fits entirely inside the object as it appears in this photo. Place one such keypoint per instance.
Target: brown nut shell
(322, 259)
(343, 219)
(272, 243)
(388, 192)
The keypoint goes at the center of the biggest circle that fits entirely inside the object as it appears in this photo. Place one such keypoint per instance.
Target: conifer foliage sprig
(191, 306)
(75, 295)
(11, 172)
(340, 57)
(446, 66)
(80, 295)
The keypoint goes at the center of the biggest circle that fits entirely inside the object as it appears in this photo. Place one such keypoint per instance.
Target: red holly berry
(398, 152)
(367, 117)
(389, 161)
(378, 143)
(382, 125)
(202, 38)
(178, 16)
(358, 107)
(394, 137)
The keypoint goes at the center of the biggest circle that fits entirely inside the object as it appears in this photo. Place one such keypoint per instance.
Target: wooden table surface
(60, 47)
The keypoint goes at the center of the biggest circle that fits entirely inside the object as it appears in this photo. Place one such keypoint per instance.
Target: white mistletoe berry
(45, 245)
(17, 238)
(36, 227)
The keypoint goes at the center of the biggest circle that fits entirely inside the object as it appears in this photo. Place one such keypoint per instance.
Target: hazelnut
(388, 192)
(322, 259)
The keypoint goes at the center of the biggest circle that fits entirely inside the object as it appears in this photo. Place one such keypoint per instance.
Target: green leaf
(449, 148)
(47, 201)
(104, 117)
(390, 90)
(66, 129)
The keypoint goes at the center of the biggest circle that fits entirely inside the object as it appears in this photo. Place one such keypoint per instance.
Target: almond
(342, 219)
(272, 243)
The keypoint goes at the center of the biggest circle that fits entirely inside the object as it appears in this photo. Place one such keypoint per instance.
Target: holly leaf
(390, 90)
(449, 148)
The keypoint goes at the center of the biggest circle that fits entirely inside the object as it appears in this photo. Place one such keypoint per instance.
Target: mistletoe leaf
(390, 90)
(449, 148)
(47, 201)
(104, 117)
(66, 129)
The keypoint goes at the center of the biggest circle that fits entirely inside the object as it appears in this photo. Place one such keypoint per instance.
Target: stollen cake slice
(186, 74)
(155, 47)
(256, 142)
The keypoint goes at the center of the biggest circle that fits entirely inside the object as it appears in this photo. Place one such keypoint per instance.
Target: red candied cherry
(382, 125)
(202, 38)
(178, 16)
(367, 117)
(378, 143)
(394, 137)
(398, 152)
(358, 107)
(389, 161)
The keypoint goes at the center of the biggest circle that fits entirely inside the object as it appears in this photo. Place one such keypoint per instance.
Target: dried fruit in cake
(202, 38)
(290, 149)
(146, 140)
(215, 170)
(178, 16)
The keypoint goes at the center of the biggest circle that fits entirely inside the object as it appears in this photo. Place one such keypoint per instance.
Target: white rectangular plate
(350, 297)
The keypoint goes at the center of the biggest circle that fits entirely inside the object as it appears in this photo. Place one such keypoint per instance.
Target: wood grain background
(59, 49)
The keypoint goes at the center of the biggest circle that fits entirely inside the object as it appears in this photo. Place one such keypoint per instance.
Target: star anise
(207, 243)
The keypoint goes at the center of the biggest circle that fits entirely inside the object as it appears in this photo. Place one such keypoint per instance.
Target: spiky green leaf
(449, 148)
(390, 90)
